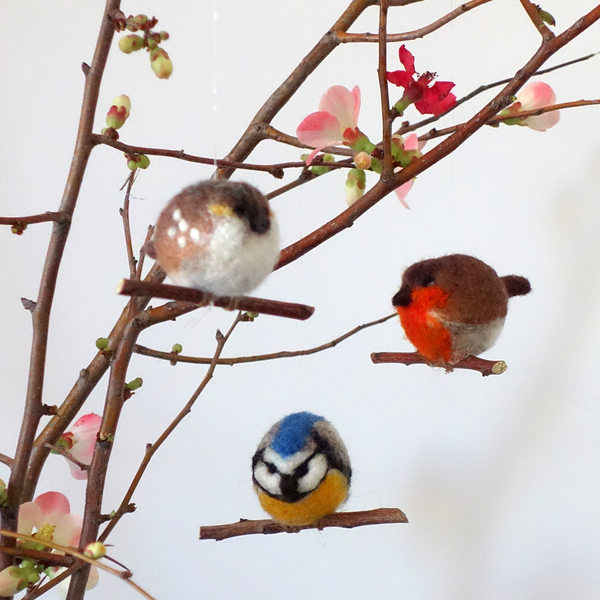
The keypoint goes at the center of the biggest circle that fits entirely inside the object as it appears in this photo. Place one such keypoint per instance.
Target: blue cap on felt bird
(301, 470)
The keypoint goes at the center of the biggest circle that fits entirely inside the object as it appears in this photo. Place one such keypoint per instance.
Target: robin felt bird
(301, 469)
(454, 306)
(218, 236)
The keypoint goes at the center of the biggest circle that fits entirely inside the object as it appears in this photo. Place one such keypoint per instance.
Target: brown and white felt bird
(218, 236)
(454, 306)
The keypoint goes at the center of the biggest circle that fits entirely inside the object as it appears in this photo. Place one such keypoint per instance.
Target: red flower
(428, 99)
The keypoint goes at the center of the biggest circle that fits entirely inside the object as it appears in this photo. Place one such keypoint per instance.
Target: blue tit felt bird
(301, 470)
(217, 236)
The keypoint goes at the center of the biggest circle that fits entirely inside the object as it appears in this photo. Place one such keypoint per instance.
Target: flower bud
(95, 550)
(102, 343)
(164, 35)
(118, 112)
(135, 384)
(355, 185)
(362, 161)
(136, 23)
(177, 348)
(161, 63)
(131, 43)
(137, 161)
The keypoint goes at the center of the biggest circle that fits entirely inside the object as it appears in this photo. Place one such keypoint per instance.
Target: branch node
(85, 68)
(28, 304)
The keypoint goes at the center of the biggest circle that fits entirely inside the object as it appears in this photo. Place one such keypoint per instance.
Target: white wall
(498, 476)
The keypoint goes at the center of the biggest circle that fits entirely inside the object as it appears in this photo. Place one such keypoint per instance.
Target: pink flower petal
(68, 530)
(53, 504)
(402, 192)
(320, 129)
(343, 104)
(30, 516)
(84, 433)
(411, 142)
(542, 122)
(536, 94)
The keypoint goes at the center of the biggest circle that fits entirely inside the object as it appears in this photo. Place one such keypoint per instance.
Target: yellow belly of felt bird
(332, 491)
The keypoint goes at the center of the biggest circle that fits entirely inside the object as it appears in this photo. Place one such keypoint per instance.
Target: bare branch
(347, 520)
(124, 212)
(175, 358)
(345, 38)
(471, 363)
(151, 449)
(128, 287)
(46, 217)
(6, 460)
(536, 19)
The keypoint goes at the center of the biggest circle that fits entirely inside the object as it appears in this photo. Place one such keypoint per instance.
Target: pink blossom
(410, 143)
(428, 99)
(50, 515)
(532, 96)
(83, 435)
(334, 123)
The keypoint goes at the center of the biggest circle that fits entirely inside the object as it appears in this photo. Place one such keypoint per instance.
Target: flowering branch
(386, 118)
(175, 358)
(435, 133)
(347, 520)
(382, 188)
(41, 313)
(151, 449)
(471, 363)
(128, 287)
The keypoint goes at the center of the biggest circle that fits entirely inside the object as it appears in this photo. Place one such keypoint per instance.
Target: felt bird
(217, 236)
(301, 470)
(454, 306)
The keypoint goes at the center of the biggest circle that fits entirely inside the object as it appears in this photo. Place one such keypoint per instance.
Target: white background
(498, 476)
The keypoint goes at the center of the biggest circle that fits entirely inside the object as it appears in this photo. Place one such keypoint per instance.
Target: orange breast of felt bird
(423, 327)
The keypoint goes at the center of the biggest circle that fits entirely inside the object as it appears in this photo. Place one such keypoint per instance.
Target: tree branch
(151, 449)
(536, 19)
(471, 363)
(345, 38)
(175, 358)
(46, 217)
(128, 287)
(347, 520)
(41, 314)
(382, 188)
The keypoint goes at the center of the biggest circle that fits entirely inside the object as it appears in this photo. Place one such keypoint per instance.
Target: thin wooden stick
(471, 363)
(347, 520)
(129, 287)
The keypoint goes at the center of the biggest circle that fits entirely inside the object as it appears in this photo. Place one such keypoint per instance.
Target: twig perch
(347, 520)
(128, 287)
(471, 363)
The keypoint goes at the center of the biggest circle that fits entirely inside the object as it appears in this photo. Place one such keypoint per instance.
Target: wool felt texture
(332, 491)
(301, 469)
(454, 306)
(217, 236)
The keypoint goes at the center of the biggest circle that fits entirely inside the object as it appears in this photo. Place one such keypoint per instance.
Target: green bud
(137, 161)
(163, 35)
(95, 550)
(102, 343)
(131, 43)
(546, 16)
(355, 185)
(18, 227)
(177, 348)
(135, 384)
